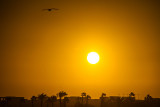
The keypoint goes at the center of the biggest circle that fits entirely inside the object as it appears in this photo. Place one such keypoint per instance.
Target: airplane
(51, 9)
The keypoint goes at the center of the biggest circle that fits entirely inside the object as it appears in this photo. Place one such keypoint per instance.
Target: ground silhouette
(63, 100)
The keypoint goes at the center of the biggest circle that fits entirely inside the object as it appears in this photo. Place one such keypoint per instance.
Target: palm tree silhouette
(53, 99)
(102, 98)
(33, 98)
(61, 94)
(131, 94)
(83, 94)
(88, 97)
(41, 97)
(148, 98)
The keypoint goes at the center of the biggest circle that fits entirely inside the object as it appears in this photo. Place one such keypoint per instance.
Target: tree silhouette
(33, 98)
(83, 94)
(131, 97)
(131, 94)
(53, 99)
(103, 95)
(102, 99)
(148, 98)
(88, 97)
(61, 94)
(41, 97)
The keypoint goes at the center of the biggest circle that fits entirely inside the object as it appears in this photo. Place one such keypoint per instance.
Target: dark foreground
(60, 100)
(112, 101)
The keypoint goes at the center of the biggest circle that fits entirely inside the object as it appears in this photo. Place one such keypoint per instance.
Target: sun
(93, 58)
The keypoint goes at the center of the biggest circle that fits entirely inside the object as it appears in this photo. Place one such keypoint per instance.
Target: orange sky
(46, 52)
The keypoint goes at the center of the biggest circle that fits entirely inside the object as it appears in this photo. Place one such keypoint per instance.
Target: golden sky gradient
(46, 52)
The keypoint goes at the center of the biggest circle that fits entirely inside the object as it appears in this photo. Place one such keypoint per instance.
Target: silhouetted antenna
(50, 9)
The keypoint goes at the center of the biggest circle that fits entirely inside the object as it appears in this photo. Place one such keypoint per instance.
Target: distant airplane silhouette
(50, 9)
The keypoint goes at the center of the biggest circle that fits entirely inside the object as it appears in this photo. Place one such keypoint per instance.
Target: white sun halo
(93, 57)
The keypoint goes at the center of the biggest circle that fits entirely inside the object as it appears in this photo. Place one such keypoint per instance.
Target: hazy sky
(46, 52)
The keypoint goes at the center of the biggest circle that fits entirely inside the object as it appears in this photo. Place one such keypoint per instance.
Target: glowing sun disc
(93, 57)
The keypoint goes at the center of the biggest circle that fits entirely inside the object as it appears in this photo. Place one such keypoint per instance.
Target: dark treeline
(62, 100)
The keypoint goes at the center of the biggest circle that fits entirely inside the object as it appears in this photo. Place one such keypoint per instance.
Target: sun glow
(93, 58)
